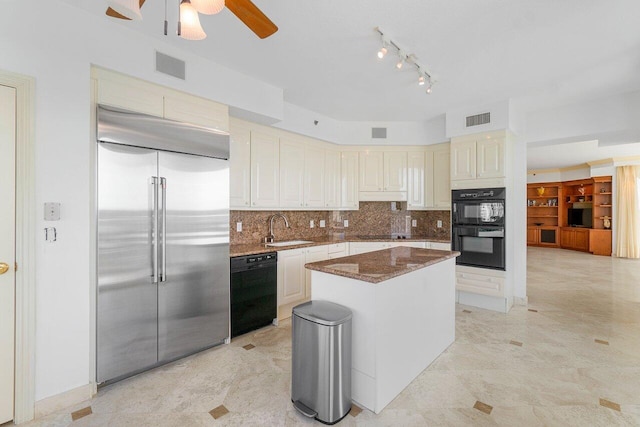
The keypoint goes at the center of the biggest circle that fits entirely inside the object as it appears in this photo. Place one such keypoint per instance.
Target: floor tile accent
(601, 341)
(466, 311)
(609, 404)
(248, 346)
(355, 410)
(80, 413)
(483, 407)
(219, 411)
(518, 343)
(533, 310)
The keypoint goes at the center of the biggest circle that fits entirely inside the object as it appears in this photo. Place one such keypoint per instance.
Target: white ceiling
(576, 153)
(480, 51)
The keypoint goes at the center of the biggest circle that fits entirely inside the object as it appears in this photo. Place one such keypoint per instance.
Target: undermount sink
(290, 243)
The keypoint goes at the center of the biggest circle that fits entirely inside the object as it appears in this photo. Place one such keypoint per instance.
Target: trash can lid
(323, 312)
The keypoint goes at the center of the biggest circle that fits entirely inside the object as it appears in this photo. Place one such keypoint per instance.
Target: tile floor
(571, 358)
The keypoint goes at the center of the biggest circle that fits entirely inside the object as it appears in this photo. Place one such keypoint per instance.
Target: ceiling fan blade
(112, 13)
(252, 17)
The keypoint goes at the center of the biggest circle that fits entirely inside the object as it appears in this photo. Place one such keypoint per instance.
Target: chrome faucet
(270, 238)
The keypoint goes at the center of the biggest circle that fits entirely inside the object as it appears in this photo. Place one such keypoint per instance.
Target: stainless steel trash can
(321, 360)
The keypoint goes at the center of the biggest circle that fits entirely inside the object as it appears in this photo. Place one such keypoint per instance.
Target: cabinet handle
(246, 203)
(254, 203)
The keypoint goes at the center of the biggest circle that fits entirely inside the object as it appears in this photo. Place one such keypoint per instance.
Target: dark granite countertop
(378, 266)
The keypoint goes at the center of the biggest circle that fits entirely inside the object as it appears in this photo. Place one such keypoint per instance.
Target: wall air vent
(379, 133)
(169, 65)
(479, 119)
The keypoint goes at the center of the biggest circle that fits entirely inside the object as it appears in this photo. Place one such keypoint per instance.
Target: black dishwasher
(254, 281)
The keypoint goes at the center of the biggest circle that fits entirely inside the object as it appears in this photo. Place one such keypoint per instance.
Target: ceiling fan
(245, 10)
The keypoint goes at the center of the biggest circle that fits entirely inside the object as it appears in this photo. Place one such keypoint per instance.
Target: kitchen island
(403, 304)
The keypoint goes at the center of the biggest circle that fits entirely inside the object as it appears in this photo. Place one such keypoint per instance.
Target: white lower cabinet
(439, 246)
(480, 281)
(338, 250)
(294, 282)
(356, 248)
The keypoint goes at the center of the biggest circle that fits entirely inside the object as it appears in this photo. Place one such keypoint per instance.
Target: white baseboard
(60, 401)
(521, 301)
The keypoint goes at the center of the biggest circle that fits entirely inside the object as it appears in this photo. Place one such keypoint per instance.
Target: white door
(371, 170)
(463, 160)
(349, 180)
(291, 174)
(265, 163)
(240, 167)
(314, 177)
(395, 171)
(490, 158)
(416, 167)
(7, 249)
(332, 179)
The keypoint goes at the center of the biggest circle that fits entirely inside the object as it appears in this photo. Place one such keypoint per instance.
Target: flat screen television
(580, 217)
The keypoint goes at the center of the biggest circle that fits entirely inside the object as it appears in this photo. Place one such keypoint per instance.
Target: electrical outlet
(312, 224)
(439, 223)
(323, 224)
(346, 223)
(414, 222)
(239, 227)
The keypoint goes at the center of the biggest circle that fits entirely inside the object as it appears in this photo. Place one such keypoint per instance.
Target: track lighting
(411, 59)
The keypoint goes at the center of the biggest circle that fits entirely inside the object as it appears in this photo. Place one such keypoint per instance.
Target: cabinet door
(198, 111)
(349, 180)
(581, 241)
(567, 238)
(130, 94)
(371, 171)
(291, 276)
(416, 170)
(265, 155)
(490, 158)
(313, 254)
(292, 170)
(440, 246)
(532, 235)
(332, 179)
(314, 177)
(463, 160)
(420, 245)
(429, 178)
(240, 167)
(441, 179)
(395, 171)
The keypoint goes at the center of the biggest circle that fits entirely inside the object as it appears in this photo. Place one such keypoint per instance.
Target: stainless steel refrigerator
(163, 242)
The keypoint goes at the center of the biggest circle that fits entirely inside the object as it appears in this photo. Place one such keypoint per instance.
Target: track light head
(402, 57)
(382, 52)
(421, 80)
(429, 88)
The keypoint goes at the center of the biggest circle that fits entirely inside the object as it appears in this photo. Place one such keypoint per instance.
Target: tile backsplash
(373, 218)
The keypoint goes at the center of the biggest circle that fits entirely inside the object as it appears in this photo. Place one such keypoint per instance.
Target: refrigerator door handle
(163, 271)
(154, 237)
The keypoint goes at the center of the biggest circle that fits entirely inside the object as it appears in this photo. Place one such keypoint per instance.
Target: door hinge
(15, 266)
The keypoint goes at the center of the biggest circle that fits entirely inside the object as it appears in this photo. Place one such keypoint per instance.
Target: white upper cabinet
(463, 160)
(265, 155)
(240, 166)
(477, 157)
(198, 111)
(395, 171)
(349, 180)
(314, 176)
(416, 178)
(129, 93)
(371, 171)
(332, 179)
(441, 178)
(490, 161)
(292, 171)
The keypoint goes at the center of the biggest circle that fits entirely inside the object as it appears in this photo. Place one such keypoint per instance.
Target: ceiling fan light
(190, 27)
(208, 7)
(127, 8)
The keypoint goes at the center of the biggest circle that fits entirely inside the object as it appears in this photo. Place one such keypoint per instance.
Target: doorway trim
(25, 245)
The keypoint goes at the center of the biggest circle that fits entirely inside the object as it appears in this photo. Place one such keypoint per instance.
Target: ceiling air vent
(380, 133)
(479, 119)
(169, 65)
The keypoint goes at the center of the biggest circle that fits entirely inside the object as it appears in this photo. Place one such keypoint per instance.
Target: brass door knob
(4, 267)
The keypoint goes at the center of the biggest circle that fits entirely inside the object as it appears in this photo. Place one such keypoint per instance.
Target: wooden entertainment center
(557, 214)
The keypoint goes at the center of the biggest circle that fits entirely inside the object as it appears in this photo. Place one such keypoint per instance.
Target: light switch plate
(239, 227)
(323, 223)
(346, 223)
(414, 222)
(312, 224)
(439, 223)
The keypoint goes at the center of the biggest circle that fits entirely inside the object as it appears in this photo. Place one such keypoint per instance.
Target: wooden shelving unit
(544, 213)
(596, 193)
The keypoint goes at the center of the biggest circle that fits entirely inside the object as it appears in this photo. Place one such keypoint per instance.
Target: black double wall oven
(478, 220)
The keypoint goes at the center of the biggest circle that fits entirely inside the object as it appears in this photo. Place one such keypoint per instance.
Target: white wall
(456, 124)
